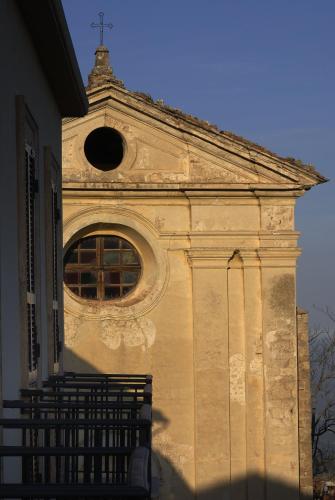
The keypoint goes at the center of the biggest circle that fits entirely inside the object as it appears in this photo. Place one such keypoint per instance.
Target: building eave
(47, 26)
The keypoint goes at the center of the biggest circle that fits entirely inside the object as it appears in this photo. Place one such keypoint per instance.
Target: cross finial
(101, 26)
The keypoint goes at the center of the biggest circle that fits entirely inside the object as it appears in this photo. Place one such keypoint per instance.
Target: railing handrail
(21, 423)
(101, 405)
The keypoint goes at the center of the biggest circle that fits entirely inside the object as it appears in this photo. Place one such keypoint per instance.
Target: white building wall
(22, 75)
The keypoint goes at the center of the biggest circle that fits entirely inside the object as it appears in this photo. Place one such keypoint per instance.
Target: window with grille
(102, 268)
(30, 192)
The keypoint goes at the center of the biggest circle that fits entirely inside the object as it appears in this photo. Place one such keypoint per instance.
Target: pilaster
(278, 275)
(211, 369)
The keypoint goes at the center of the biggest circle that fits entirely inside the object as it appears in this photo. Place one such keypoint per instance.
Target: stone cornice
(218, 258)
(194, 190)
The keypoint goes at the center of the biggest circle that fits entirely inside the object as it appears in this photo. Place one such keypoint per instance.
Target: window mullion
(99, 250)
(100, 285)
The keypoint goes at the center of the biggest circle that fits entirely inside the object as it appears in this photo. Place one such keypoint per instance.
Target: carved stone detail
(277, 217)
(71, 330)
(131, 333)
(201, 170)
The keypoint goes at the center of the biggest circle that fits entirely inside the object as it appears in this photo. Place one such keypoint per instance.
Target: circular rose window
(102, 268)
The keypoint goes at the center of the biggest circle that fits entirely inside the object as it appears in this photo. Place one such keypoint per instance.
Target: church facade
(180, 256)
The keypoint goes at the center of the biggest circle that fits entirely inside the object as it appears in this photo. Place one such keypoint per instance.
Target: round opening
(104, 148)
(102, 267)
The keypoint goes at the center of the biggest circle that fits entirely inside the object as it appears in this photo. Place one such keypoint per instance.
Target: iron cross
(101, 26)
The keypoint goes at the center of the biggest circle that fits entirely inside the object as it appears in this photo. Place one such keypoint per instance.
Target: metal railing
(82, 436)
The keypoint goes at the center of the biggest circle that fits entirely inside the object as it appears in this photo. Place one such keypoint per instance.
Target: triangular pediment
(164, 148)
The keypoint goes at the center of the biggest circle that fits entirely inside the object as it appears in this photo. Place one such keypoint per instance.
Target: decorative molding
(206, 258)
(142, 234)
(277, 217)
(218, 258)
(138, 332)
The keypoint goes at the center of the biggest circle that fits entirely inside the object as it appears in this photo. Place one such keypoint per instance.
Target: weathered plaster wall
(214, 319)
(145, 336)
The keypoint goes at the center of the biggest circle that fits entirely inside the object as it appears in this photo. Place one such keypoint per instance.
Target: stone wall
(305, 408)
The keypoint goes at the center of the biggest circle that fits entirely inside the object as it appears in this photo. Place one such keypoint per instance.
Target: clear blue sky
(263, 69)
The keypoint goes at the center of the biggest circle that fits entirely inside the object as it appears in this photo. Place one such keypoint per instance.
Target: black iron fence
(81, 436)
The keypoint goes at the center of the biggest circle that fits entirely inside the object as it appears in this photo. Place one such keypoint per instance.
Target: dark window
(104, 148)
(55, 217)
(30, 191)
(102, 268)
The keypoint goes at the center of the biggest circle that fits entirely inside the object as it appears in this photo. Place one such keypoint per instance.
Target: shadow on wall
(168, 483)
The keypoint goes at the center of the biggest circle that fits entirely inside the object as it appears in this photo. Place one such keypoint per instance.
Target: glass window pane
(111, 242)
(126, 289)
(88, 278)
(89, 292)
(129, 277)
(111, 278)
(112, 292)
(71, 257)
(74, 290)
(87, 257)
(71, 278)
(111, 257)
(126, 245)
(88, 243)
(129, 257)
